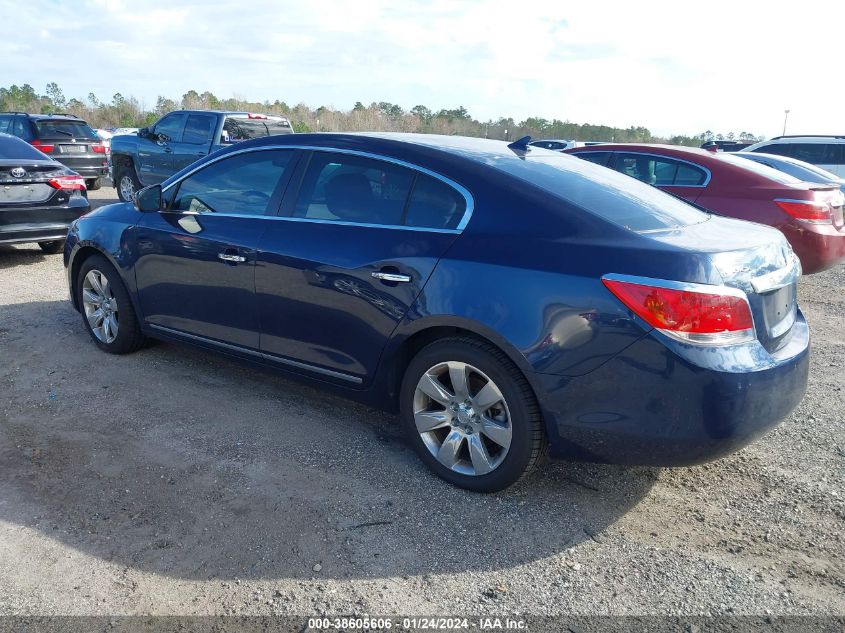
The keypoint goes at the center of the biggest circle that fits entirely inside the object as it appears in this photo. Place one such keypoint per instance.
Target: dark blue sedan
(504, 299)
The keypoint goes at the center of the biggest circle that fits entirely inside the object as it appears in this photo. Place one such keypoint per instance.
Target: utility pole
(785, 116)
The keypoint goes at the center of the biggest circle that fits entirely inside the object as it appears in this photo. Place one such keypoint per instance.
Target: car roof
(812, 138)
(226, 112)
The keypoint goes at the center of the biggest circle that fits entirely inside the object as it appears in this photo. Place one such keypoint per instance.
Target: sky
(673, 67)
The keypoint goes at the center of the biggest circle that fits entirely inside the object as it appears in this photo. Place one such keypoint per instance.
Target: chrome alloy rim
(127, 187)
(462, 418)
(100, 306)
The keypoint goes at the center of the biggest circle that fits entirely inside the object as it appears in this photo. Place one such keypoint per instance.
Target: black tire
(528, 441)
(129, 336)
(53, 247)
(92, 184)
(126, 170)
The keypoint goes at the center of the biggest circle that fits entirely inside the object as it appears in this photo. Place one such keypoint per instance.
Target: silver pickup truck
(180, 138)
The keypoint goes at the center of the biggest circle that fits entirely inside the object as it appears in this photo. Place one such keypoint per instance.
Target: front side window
(350, 188)
(198, 129)
(242, 184)
(661, 172)
(171, 126)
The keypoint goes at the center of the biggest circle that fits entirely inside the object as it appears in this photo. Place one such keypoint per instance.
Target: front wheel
(471, 415)
(127, 183)
(53, 247)
(107, 310)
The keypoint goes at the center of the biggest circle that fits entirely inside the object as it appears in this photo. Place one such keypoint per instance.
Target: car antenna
(520, 145)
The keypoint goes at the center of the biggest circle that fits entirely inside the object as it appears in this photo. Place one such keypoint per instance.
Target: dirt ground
(173, 481)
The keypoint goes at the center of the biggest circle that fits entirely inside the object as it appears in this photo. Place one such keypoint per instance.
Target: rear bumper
(818, 246)
(85, 166)
(651, 405)
(39, 224)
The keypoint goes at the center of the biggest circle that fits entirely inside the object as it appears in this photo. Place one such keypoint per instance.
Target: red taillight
(71, 183)
(709, 315)
(814, 211)
(98, 148)
(47, 148)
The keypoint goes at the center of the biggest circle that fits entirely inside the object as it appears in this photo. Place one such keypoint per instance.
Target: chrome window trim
(468, 198)
(707, 173)
(257, 354)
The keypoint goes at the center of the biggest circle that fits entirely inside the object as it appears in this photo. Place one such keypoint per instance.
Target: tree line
(383, 116)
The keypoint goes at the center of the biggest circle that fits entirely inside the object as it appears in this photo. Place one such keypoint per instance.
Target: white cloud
(732, 66)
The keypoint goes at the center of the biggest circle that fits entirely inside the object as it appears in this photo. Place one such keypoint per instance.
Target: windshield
(242, 128)
(63, 128)
(615, 197)
(12, 148)
(760, 170)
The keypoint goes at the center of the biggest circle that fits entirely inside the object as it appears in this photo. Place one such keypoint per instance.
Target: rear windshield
(61, 128)
(242, 128)
(615, 197)
(761, 170)
(12, 148)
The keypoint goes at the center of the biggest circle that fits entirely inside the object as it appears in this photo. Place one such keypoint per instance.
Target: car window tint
(171, 126)
(759, 169)
(353, 189)
(604, 193)
(599, 158)
(197, 129)
(689, 176)
(63, 128)
(434, 205)
(815, 153)
(781, 149)
(242, 184)
(661, 172)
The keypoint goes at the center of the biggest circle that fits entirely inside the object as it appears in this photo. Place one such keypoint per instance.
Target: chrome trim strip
(680, 160)
(257, 354)
(469, 200)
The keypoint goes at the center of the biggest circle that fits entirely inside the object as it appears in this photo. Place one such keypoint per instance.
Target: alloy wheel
(462, 418)
(127, 187)
(100, 306)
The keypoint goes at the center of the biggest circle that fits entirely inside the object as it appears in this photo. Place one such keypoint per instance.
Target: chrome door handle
(226, 257)
(392, 277)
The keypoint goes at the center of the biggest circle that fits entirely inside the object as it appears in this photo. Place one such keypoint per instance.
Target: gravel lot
(173, 481)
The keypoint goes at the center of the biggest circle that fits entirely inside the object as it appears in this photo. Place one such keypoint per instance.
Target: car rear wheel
(107, 310)
(92, 184)
(52, 247)
(471, 415)
(127, 183)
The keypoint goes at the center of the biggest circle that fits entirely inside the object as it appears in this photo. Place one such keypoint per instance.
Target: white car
(827, 152)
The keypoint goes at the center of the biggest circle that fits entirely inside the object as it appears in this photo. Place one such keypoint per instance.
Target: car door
(681, 178)
(155, 162)
(195, 140)
(354, 247)
(195, 268)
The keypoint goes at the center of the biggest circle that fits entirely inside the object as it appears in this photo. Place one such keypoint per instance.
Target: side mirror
(144, 132)
(161, 139)
(149, 199)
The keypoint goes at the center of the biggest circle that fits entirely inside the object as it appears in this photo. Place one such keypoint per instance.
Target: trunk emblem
(18, 172)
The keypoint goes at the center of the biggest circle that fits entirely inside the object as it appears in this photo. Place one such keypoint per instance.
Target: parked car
(118, 131)
(795, 168)
(501, 298)
(555, 144)
(180, 138)
(65, 137)
(827, 152)
(809, 214)
(39, 197)
(725, 146)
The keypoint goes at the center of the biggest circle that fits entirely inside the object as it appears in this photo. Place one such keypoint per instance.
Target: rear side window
(434, 205)
(198, 129)
(243, 128)
(781, 149)
(661, 172)
(242, 184)
(350, 188)
(64, 128)
(16, 125)
(599, 158)
(604, 193)
(818, 153)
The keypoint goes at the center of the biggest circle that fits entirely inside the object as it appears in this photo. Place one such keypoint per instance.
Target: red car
(810, 215)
